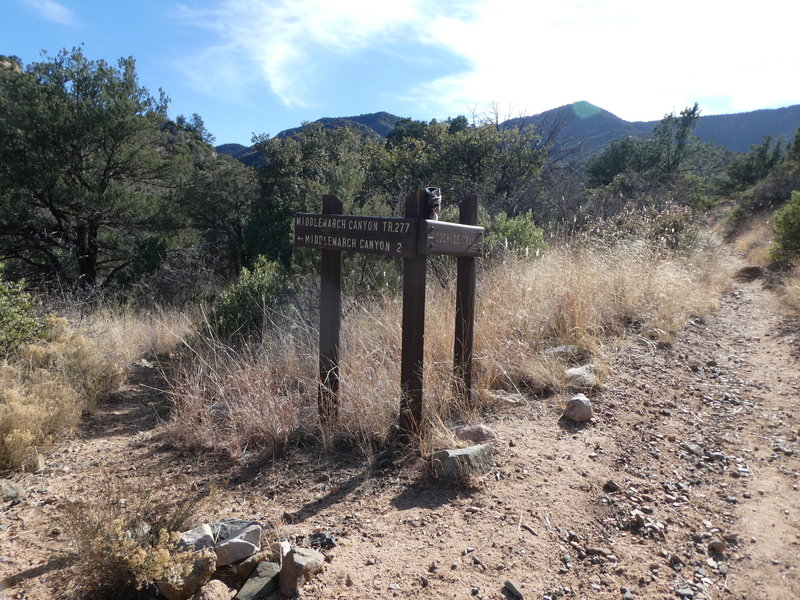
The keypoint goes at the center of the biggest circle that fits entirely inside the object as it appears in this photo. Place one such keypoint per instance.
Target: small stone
(513, 591)
(299, 565)
(695, 449)
(371, 561)
(197, 538)
(456, 464)
(321, 540)
(685, 592)
(581, 378)
(637, 518)
(263, 582)
(610, 486)
(214, 590)
(281, 549)
(9, 490)
(243, 544)
(717, 545)
(731, 538)
(229, 528)
(475, 434)
(578, 409)
(597, 551)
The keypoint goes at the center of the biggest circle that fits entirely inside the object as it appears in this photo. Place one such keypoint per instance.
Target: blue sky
(261, 66)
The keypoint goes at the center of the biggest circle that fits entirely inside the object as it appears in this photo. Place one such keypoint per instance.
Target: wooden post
(330, 304)
(465, 310)
(414, 272)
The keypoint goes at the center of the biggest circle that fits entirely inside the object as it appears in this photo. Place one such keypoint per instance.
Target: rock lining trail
(687, 484)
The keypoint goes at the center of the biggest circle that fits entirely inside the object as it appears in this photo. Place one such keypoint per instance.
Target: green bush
(19, 322)
(786, 245)
(518, 235)
(242, 310)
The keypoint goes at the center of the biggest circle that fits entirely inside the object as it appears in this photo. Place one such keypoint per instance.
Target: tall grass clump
(237, 400)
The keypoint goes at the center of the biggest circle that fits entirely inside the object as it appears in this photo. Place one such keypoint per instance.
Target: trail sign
(389, 236)
(453, 239)
(413, 238)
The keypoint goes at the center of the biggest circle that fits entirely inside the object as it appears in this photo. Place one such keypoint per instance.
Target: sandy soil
(687, 483)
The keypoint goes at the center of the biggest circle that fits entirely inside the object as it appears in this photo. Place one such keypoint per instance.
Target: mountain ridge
(579, 130)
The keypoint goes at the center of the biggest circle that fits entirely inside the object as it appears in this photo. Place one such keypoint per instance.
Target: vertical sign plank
(414, 272)
(330, 304)
(465, 310)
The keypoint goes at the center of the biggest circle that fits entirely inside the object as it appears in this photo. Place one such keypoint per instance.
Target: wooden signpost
(414, 238)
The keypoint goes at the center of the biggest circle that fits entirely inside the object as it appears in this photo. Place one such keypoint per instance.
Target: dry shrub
(35, 409)
(579, 295)
(125, 540)
(790, 288)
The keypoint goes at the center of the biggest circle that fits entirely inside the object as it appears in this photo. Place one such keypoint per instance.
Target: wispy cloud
(52, 11)
(286, 39)
(638, 59)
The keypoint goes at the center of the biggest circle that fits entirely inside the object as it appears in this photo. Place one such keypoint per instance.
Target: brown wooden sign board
(413, 238)
(389, 236)
(451, 239)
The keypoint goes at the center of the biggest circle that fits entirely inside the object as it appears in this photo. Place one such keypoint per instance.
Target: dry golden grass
(124, 334)
(36, 407)
(237, 402)
(579, 296)
(753, 241)
(790, 288)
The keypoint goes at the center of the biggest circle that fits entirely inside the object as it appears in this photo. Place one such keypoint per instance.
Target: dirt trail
(685, 486)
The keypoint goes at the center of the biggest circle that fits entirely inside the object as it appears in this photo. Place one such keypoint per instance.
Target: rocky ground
(686, 484)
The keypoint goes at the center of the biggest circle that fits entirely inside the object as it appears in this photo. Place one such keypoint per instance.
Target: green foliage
(19, 322)
(88, 166)
(748, 169)
(786, 245)
(517, 235)
(664, 153)
(793, 154)
(243, 310)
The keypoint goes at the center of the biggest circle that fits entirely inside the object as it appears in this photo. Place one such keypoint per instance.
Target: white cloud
(52, 11)
(637, 59)
(282, 36)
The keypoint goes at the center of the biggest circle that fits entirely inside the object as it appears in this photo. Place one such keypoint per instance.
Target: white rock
(243, 544)
(299, 566)
(198, 538)
(579, 409)
(581, 378)
(281, 548)
(474, 433)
